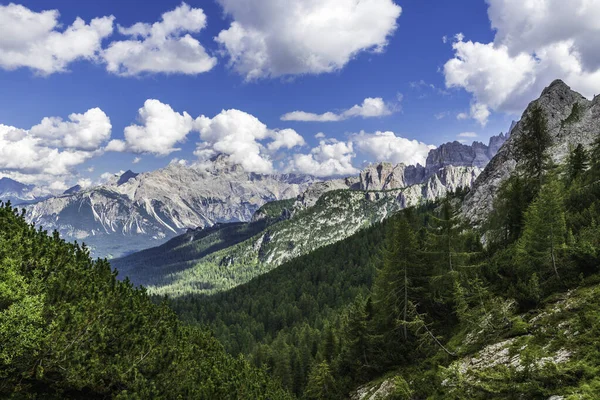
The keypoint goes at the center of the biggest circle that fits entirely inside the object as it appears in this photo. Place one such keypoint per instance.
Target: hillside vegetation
(70, 330)
(418, 308)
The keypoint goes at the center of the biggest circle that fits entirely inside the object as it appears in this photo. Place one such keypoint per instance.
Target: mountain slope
(199, 262)
(572, 119)
(124, 215)
(19, 193)
(70, 330)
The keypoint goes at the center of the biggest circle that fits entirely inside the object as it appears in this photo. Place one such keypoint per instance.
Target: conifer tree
(545, 230)
(393, 282)
(531, 147)
(577, 162)
(321, 383)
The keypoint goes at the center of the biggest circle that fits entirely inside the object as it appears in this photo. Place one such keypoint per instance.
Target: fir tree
(545, 230)
(577, 162)
(531, 146)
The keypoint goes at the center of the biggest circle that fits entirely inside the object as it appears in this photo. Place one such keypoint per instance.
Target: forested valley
(421, 305)
(411, 297)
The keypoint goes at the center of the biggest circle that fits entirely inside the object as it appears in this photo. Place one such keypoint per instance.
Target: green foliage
(70, 329)
(531, 147)
(577, 162)
(321, 383)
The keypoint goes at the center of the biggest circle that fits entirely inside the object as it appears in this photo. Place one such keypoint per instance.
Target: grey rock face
(121, 216)
(458, 154)
(557, 102)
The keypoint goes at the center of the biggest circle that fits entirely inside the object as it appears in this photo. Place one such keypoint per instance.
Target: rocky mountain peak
(572, 119)
(126, 176)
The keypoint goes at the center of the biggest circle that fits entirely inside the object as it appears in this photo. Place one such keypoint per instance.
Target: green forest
(70, 330)
(421, 300)
(410, 297)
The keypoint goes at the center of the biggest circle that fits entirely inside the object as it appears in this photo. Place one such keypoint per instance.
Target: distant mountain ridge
(19, 193)
(124, 214)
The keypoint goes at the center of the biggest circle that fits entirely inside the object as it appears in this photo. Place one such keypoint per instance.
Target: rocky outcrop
(572, 119)
(386, 176)
(458, 154)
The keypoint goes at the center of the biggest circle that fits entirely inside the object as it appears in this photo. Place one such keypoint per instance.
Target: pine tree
(393, 282)
(577, 162)
(506, 220)
(321, 383)
(531, 147)
(545, 230)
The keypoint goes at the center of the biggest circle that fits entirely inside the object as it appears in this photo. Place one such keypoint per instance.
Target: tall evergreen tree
(531, 146)
(577, 162)
(545, 231)
(393, 282)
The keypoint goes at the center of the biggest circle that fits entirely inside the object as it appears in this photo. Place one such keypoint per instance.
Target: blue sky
(422, 94)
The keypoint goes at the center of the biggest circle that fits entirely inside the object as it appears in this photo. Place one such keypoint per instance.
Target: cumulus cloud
(274, 38)
(285, 138)
(239, 135)
(386, 146)
(163, 47)
(320, 135)
(535, 43)
(85, 131)
(370, 107)
(160, 130)
(48, 152)
(327, 159)
(36, 40)
(136, 160)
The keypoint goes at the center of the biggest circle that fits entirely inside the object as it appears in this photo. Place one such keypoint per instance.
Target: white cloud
(85, 131)
(442, 115)
(285, 138)
(136, 160)
(238, 134)
(272, 38)
(160, 131)
(327, 159)
(85, 183)
(386, 146)
(480, 113)
(535, 43)
(370, 107)
(163, 47)
(34, 39)
(467, 134)
(320, 135)
(36, 158)
(462, 116)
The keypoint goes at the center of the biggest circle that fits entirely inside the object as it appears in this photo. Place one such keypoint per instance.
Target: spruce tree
(545, 231)
(321, 383)
(393, 282)
(531, 147)
(577, 162)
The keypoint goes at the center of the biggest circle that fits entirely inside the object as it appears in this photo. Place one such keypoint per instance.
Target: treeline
(70, 330)
(421, 290)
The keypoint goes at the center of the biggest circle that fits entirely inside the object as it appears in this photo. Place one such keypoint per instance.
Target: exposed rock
(379, 391)
(126, 176)
(121, 216)
(458, 154)
(557, 102)
(73, 189)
